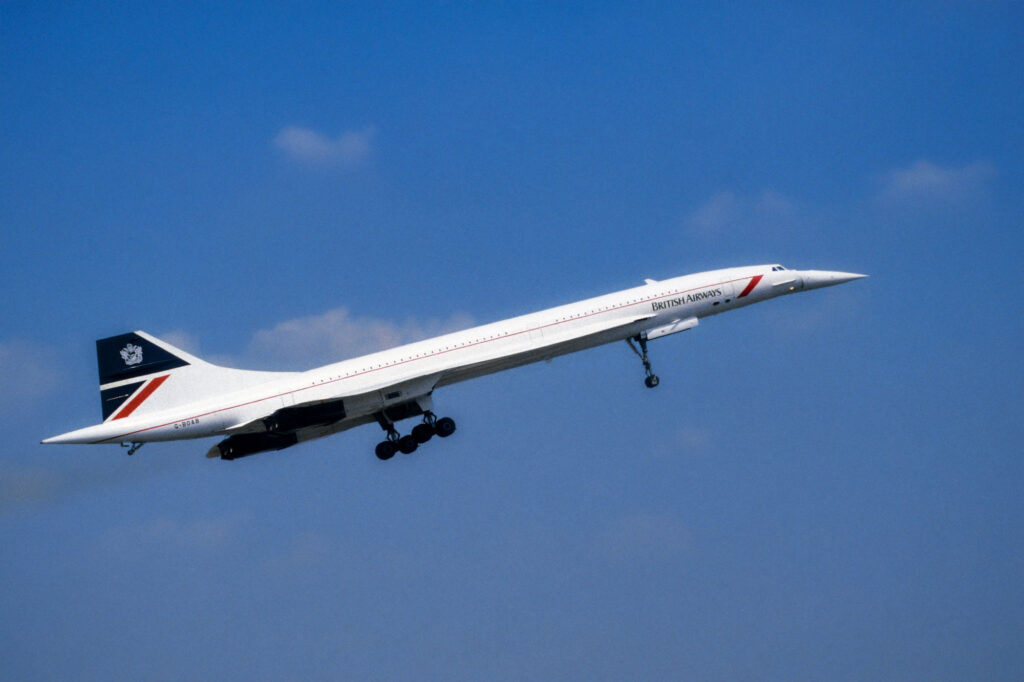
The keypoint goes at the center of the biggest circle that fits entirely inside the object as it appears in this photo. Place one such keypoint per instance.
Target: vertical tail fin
(133, 366)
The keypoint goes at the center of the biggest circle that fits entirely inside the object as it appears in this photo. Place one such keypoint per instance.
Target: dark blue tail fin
(129, 356)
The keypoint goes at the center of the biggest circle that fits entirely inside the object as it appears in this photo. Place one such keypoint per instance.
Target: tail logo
(131, 354)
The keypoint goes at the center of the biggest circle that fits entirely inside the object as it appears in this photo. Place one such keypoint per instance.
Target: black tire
(445, 427)
(423, 432)
(407, 445)
(651, 381)
(385, 450)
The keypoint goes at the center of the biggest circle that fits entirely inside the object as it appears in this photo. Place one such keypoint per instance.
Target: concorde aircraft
(152, 391)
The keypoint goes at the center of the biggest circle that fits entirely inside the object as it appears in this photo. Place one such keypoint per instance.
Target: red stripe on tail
(141, 396)
(750, 286)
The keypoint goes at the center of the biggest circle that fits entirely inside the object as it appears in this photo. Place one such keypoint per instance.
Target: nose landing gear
(651, 379)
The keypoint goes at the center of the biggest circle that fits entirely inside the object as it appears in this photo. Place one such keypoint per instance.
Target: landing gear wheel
(423, 432)
(445, 427)
(407, 445)
(385, 450)
(651, 380)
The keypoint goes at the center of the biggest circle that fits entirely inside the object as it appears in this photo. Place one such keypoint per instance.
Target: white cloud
(181, 339)
(306, 342)
(923, 181)
(727, 211)
(335, 335)
(717, 214)
(311, 147)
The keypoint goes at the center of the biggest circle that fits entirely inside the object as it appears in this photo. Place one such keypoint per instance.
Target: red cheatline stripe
(750, 286)
(643, 301)
(141, 396)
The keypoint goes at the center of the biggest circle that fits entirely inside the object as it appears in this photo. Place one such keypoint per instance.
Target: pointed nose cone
(815, 279)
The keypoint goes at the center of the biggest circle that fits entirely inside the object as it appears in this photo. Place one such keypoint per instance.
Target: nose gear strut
(651, 379)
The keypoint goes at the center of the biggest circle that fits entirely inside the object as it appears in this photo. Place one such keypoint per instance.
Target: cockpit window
(777, 268)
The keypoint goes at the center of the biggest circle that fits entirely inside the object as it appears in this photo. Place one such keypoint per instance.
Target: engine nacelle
(245, 444)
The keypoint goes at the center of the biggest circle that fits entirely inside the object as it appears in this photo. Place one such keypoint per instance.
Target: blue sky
(827, 486)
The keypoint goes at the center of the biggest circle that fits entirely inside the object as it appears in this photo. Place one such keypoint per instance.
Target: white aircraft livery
(152, 391)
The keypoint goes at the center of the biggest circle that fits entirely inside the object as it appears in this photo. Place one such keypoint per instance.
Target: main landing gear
(651, 379)
(421, 433)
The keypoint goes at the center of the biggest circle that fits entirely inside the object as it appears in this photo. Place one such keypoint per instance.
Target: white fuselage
(373, 382)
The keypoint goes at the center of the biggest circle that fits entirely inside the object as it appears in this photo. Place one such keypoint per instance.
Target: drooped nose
(815, 279)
